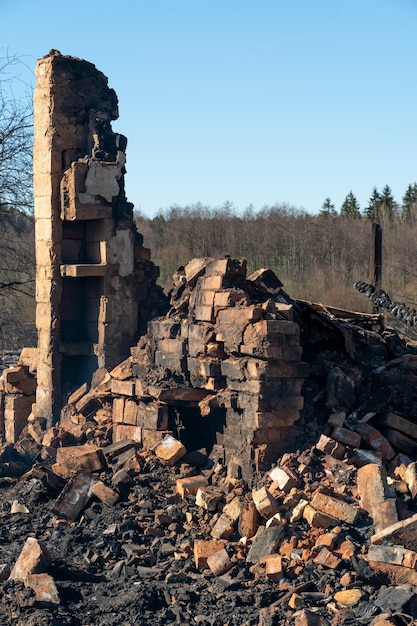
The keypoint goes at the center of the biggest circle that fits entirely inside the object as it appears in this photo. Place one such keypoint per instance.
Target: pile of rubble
(111, 519)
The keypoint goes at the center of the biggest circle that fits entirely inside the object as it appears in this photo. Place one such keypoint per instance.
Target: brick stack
(17, 394)
(230, 353)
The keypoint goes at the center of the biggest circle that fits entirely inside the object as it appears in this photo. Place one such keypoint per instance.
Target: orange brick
(335, 508)
(190, 485)
(317, 519)
(170, 450)
(33, 559)
(105, 494)
(248, 520)
(274, 570)
(376, 440)
(346, 436)
(203, 549)
(219, 562)
(327, 559)
(328, 540)
(85, 458)
(373, 487)
(265, 503)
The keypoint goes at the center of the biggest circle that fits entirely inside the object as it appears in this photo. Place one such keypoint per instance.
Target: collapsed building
(149, 420)
(224, 366)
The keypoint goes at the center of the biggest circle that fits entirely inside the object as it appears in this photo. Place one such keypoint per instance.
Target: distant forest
(317, 257)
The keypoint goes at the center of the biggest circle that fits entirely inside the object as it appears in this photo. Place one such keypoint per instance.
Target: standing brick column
(95, 283)
(48, 235)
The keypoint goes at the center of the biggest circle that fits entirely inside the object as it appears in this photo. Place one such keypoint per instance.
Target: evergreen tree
(350, 206)
(409, 205)
(327, 208)
(388, 206)
(374, 202)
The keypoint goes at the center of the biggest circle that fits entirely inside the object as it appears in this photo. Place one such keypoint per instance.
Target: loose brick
(74, 497)
(203, 549)
(375, 440)
(327, 559)
(346, 436)
(208, 498)
(317, 519)
(86, 458)
(45, 589)
(123, 371)
(248, 520)
(223, 528)
(105, 494)
(401, 442)
(397, 422)
(397, 574)
(265, 503)
(33, 559)
(373, 489)
(170, 450)
(190, 485)
(306, 617)
(335, 508)
(233, 508)
(219, 562)
(274, 569)
(396, 555)
(348, 597)
(285, 478)
(115, 449)
(328, 540)
(331, 447)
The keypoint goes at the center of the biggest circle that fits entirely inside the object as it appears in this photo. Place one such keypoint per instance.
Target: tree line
(317, 257)
(381, 206)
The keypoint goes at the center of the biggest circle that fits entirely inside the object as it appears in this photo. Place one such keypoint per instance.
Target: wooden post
(375, 265)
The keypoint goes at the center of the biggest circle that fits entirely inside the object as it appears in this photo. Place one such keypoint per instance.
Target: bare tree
(16, 137)
(17, 266)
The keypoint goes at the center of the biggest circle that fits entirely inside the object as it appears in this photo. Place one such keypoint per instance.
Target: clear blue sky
(248, 101)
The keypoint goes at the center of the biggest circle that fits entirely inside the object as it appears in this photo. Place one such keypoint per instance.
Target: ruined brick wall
(223, 367)
(91, 268)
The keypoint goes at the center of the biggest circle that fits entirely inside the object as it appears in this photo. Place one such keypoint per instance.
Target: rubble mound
(99, 529)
